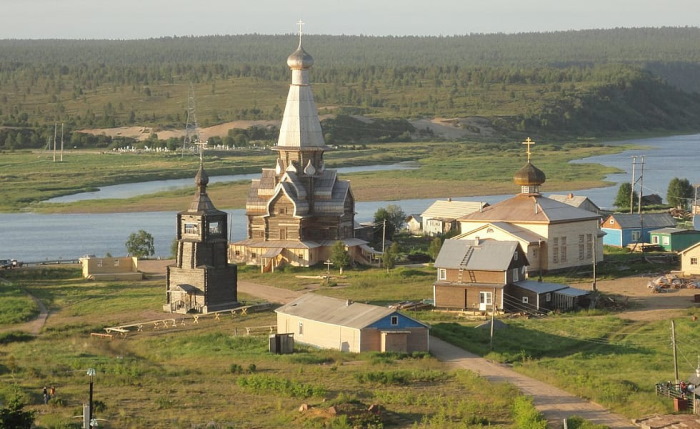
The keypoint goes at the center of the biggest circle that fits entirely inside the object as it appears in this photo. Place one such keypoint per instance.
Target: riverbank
(444, 170)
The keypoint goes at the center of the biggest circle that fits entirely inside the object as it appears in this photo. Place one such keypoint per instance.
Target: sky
(139, 19)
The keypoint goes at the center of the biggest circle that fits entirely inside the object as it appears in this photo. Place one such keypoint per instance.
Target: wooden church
(297, 210)
(202, 280)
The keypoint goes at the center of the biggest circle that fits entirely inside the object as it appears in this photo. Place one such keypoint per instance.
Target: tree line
(589, 82)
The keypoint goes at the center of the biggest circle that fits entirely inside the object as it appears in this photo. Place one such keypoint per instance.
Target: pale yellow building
(553, 234)
(123, 268)
(690, 260)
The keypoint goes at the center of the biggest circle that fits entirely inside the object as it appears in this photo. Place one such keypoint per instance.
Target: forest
(572, 84)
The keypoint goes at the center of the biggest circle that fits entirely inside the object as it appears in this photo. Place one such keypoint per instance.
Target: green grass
(192, 374)
(455, 169)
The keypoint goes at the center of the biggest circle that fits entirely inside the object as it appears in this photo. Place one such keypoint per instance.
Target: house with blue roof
(332, 323)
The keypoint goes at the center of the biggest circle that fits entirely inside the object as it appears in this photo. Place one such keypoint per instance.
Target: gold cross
(529, 143)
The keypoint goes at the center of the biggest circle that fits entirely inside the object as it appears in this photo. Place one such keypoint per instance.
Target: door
(485, 301)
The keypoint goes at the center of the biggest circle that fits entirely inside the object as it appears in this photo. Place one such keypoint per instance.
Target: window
(191, 228)
(563, 249)
(515, 256)
(99, 263)
(693, 261)
(654, 239)
(442, 274)
(394, 320)
(215, 228)
(516, 275)
(555, 250)
(548, 297)
(636, 235)
(612, 221)
(301, 328)
(116, 262)
(589, 246)
(666, 240)
(526, 300)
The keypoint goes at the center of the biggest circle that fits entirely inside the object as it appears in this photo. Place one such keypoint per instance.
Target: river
(35, 237)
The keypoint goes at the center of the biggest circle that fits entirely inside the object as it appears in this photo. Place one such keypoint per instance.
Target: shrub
(526, 415)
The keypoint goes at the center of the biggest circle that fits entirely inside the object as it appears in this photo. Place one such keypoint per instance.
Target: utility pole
(55, 129)
(595, 262)
(675, 357)
(493, 312)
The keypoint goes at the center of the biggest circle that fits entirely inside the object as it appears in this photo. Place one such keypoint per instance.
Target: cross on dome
(201, 149)
(529, 143)
(300, 23)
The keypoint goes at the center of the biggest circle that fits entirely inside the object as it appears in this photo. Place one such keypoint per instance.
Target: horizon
(152, 19)
(344, 35)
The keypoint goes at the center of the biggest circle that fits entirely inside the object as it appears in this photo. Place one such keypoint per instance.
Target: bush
(526, 415)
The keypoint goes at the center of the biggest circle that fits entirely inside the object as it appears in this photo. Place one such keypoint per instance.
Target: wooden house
(534, 296)
(441, 217)
(473, 274)
(690, 260)
(674, 239)
(332, 323)
(622, 229)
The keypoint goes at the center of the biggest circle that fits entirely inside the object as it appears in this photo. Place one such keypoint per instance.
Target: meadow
(210, 374)
(444, 170)
(193, 374)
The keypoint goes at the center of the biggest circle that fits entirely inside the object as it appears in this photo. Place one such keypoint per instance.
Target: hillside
(563, 84)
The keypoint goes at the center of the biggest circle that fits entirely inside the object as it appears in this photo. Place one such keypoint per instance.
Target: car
(5, 264)
(15, 263)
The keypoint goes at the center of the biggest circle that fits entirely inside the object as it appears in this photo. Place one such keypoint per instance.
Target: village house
(622, 229)
(553, 235)
(578, 201)
(441, 217)
(482, 276)
(414, 224)
(201, 280)
(332, 323)
(473, 274)
(690, 260)
(674, 239)
(299, 209)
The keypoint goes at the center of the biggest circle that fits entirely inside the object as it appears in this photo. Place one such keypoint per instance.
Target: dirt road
(554, 403)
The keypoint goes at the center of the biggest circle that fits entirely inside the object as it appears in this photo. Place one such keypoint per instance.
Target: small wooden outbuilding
(348, 326)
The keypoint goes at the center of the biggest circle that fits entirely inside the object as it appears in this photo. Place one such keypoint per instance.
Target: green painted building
(674, 239)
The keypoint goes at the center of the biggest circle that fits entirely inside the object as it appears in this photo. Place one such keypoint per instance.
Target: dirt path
(33, 326)
(554, 403)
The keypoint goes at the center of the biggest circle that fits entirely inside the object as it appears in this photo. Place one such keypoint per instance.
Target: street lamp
(91, 374)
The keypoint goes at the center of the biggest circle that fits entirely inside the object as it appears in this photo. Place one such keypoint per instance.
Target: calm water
(36, 237)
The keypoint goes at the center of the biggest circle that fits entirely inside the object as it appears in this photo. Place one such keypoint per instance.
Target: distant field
(446, 170)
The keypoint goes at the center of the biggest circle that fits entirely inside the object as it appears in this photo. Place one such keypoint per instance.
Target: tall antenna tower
(191, 127)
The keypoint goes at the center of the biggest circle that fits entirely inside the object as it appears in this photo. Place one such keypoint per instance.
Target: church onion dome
(309, 170)
(529, 175)
(202, 178)
(300, 59)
